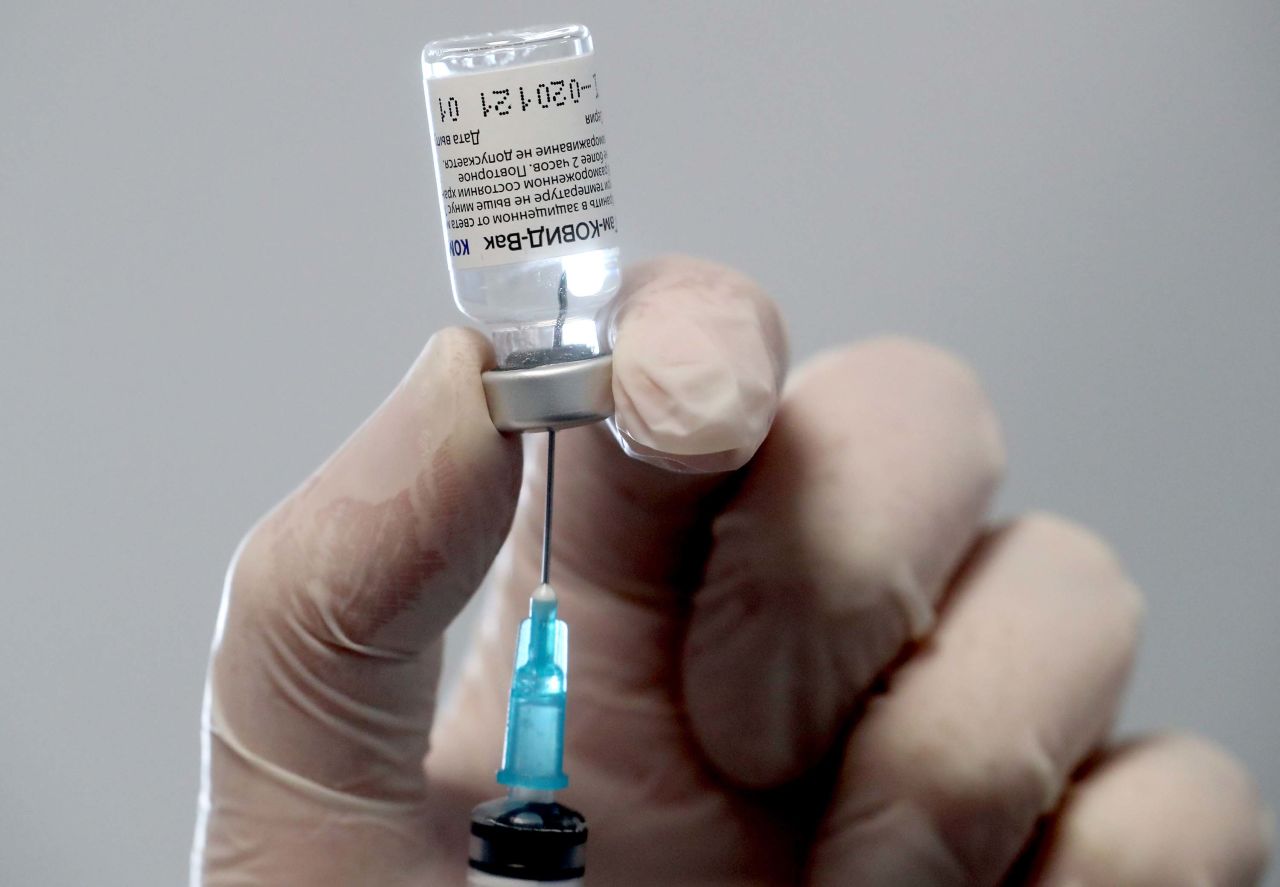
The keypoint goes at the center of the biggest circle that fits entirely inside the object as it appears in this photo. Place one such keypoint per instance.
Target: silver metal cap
(557, 395)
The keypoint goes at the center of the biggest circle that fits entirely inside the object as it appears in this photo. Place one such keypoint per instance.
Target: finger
(1164, 812)
(946, 774)
(699, 358)
(874, 482)
(327, 652)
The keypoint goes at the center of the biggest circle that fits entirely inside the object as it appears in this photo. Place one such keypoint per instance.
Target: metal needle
(557, 339)
(546, 526)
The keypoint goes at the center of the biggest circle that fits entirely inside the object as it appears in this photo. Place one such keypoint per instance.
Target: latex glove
(821, 667)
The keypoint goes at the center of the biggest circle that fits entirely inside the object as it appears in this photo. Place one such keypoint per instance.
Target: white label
(521, 162)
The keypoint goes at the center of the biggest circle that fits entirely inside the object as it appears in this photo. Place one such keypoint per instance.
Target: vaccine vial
(525, 192)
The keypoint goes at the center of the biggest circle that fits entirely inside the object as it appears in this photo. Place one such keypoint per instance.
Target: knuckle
(951, 381)
(1010, 787)
(939, 388)
(1228, 774)
(249, 565)
(933, 365)
(253, 593)
(1088, 556)
(273, 588)
(248, 572)
(980, 798)
(871, 574)
(1073, 539)
(909, 351)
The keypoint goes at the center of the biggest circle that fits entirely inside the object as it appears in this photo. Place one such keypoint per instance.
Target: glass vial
(525, 193)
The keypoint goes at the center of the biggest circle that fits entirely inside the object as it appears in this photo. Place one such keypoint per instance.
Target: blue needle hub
(533, 755)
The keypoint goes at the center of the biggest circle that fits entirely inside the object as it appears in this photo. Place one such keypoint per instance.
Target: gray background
(219, 249)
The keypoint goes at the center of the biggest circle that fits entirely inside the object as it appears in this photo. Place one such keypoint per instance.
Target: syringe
(527, 836)
(527, 209)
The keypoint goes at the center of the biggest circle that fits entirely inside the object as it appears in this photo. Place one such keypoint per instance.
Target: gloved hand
(802, 658)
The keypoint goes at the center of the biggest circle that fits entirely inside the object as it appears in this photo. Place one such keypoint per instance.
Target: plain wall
(219, 249)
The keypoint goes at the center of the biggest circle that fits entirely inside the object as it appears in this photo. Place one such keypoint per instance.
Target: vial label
(522, 163)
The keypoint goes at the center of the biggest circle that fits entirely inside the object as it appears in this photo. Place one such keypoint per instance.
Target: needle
(562, 296)
(546, 526)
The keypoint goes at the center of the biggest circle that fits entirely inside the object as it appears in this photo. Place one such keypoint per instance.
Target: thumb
(327, 654)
